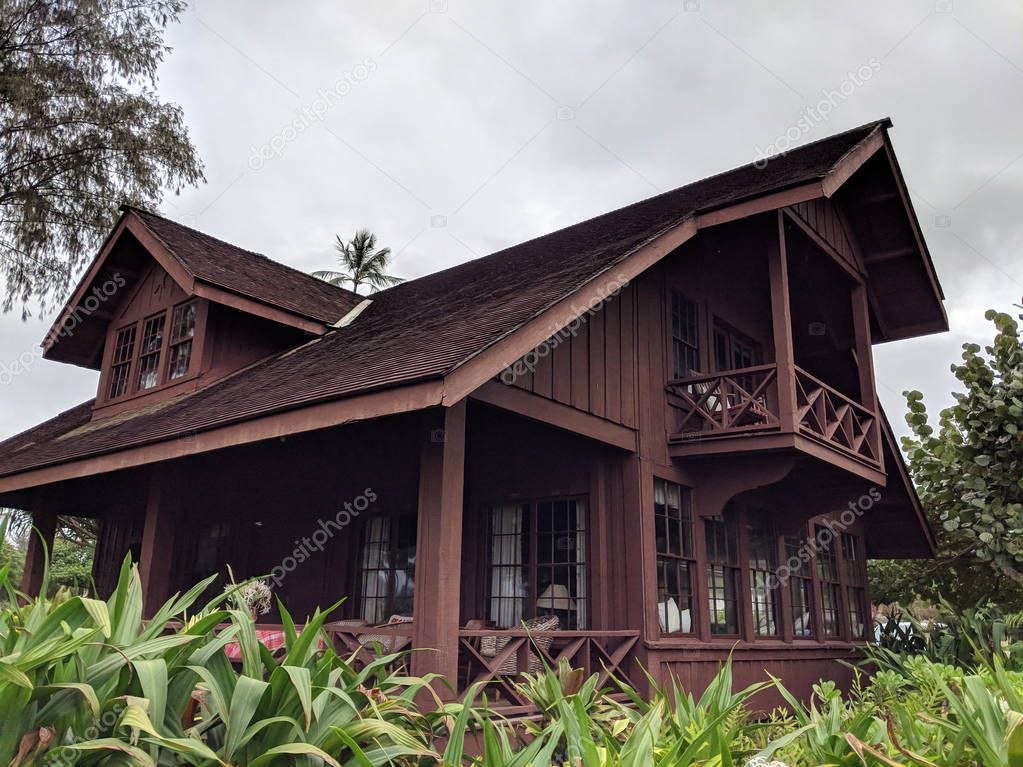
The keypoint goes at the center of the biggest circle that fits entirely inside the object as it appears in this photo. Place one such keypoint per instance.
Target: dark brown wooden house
(652, 436)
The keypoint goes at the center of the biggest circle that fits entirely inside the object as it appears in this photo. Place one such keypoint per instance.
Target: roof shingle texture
(420, 329)
(250, 274)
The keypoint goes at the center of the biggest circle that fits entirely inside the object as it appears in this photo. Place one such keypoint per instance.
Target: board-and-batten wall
(822, 216)
(591, 365)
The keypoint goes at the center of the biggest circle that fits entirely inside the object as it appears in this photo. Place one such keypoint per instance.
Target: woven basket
(491, 646)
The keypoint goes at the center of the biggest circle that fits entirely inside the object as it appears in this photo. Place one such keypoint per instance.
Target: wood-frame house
(652, 438)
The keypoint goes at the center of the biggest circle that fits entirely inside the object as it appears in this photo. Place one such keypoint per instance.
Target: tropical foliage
(89, 682)
(968, 469)
(361, 263)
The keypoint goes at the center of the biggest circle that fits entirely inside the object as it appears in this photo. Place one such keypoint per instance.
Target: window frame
(828, 557)
(731, 573)
(118, 363)
(804, 578)
(142, 354)
(675, 341)
(854, 569)
(772, 605)
(133, 365)
(677, 561)
(732, 339)
(409, 519)
(173, 343)
(533, 566)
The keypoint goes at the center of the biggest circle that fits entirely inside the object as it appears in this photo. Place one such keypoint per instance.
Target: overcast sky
(453, 129)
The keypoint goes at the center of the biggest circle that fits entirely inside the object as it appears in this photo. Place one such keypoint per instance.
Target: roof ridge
(136, 209)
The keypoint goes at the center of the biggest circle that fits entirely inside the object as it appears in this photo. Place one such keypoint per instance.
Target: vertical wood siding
(591, 366)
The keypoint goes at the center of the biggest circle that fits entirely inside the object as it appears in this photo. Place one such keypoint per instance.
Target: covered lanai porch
(489, 538)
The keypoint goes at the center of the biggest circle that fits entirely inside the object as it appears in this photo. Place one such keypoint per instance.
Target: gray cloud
(511, 120)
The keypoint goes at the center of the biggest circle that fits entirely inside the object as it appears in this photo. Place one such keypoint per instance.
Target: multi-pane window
(387, 567)
(827, 568)
(856, 593)
(676, 562)
(538, 563)
(722, 574)
(149, 351)
(182, 333)
(800, 585)
(685, 335)
(762, 546)
(120, 370)
(733, 351)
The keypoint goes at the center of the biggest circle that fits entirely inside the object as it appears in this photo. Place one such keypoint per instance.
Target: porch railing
(745, 401)
(604, 653)
(731, 401)
(825, 413)
(366, 643)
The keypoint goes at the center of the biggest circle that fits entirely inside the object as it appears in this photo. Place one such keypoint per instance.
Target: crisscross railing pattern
(727, 401)
(596, 652)
(836, 419)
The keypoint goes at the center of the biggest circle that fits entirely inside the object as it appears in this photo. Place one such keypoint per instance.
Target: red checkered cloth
(272, 639)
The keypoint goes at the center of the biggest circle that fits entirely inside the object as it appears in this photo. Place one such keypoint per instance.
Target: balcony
(740, 411)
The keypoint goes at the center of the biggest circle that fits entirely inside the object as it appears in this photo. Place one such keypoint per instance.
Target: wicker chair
(491, 646)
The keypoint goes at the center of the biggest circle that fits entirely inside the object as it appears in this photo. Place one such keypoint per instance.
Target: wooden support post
(781, 321)
(439, 544)
(157, 556)
(864, 353)
(639, 555)
(44, 526)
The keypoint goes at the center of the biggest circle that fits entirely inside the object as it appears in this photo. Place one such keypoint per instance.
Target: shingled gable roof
(425, 329)
(216, 270)
(250, 274)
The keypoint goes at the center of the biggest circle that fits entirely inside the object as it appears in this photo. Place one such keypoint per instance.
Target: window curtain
(375, 569)
(507, 586)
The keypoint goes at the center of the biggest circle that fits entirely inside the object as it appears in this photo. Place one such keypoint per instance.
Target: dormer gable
(165, 309)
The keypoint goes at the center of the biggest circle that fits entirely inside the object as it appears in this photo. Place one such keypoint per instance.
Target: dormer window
(124, 353)
(153, 351)
(152, 345)
(182, 333)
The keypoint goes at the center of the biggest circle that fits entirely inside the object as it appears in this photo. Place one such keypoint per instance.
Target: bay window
(538, 563)
(676, 561)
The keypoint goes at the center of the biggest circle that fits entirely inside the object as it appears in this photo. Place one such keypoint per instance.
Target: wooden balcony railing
(519, 651)
(728, 402)
(825, 413)
(745, 402)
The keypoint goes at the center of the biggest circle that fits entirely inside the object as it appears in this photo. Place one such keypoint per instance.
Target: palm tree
(361, 263)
